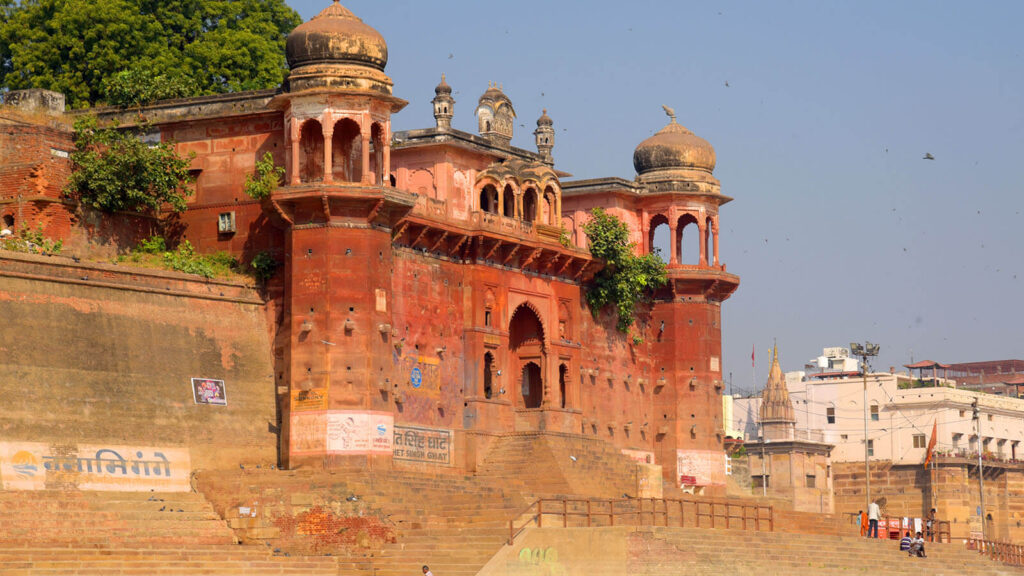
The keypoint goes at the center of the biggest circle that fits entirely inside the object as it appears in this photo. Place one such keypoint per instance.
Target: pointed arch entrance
(526, 342)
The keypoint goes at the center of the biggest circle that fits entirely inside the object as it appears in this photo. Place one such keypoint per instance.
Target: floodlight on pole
(866, 351)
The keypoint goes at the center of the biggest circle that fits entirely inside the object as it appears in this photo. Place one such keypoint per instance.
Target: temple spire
(776, 413)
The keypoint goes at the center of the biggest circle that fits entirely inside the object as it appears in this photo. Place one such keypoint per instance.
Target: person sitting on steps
(917, 546)
(905, 542)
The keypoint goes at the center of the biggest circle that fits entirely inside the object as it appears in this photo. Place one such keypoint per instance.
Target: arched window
(688, 240)
(346, 151)
(552, 216)
(530, 205)
(532, 386)
(508, 200)
(311, 152)
(659, 240)
(489, 199)
(488, 375)
(9, 222)
(563, 376)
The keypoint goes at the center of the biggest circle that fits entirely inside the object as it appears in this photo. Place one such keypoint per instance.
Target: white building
(899, 421)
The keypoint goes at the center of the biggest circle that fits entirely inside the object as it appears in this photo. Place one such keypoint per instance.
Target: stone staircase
(755, 553)
(452, 522)
(560, 465)
(645, 551)
(81, 532)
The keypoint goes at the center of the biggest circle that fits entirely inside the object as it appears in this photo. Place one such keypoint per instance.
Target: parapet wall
(102, 356)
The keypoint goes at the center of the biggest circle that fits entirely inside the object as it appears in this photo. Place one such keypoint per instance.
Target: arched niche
(311, 152)
(346, 151)
(529, 205)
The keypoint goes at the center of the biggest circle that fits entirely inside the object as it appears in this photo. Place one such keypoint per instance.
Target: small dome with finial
(336, 36)
(674, 147)
(544, 119)
(443, 87)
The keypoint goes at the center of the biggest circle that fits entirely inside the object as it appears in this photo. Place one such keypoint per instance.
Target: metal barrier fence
(590, 512)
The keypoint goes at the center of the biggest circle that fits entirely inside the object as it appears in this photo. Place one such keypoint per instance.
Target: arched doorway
(526, 341)
(532, 385)
(346, 151)
(488, 375)
(563, 376)
(530, 205)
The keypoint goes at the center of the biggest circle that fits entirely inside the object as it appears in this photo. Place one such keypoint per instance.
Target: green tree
(79, 47)
(626, 280)
(114, 170)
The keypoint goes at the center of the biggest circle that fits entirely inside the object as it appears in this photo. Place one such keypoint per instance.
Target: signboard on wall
(704, 467)
(40, 466)
(313, 399)
(424, 375)
(209, 391)
(341, 432)
(429, 445)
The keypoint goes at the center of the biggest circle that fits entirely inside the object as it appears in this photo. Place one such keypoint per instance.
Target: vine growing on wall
(268, 178)
(626, 280)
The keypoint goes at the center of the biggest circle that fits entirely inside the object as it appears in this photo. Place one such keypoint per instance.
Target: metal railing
(1011, 554)
(591, 512)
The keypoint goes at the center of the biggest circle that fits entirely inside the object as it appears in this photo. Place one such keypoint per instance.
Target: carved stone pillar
(702, 231)
(294, 139)
(673, 249)
(714, 233)
(367, 177)
(328, 154)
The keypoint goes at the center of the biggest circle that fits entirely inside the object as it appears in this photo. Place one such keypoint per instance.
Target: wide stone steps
(61, 518)
(219, 561)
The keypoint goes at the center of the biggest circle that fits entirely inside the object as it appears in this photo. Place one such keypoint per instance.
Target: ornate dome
(336, 36)
(544, 119)
(674, 147)
(443, 87)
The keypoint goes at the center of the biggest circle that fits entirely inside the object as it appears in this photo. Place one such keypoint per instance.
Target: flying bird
(928, 156)
(726, 83)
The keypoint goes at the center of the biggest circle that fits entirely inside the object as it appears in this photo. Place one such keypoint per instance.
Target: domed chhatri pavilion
(433, 280)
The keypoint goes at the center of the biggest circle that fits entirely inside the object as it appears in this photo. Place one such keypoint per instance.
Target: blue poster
(416, 377)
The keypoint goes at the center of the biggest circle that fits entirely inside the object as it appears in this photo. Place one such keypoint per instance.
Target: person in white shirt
(873, 515)
(917, 546)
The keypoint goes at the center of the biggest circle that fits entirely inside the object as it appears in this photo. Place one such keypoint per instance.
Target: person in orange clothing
(863, 522)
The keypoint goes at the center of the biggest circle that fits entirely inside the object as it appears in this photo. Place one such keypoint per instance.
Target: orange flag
(931, 444)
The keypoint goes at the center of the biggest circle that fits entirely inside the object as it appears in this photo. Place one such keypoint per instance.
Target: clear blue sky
(840, 230)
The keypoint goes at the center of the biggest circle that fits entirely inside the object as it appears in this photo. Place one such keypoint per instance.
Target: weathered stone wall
(102, 354)
(908, 490)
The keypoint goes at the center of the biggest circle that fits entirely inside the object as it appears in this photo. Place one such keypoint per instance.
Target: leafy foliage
(114, 170)
(264, 266)
(268, 177)
(81, 47)
(153, 252)
(185, 259)
(32, 242)
(626, 280)
(139, 86)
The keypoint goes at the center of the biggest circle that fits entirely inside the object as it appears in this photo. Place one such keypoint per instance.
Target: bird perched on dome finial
(671, 113)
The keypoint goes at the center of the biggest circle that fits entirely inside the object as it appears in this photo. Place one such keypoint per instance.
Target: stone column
(367, 177)
(328, 154)
(294, 138)
(385, 139)
(673, 248)
(714, 233)
(701, 230)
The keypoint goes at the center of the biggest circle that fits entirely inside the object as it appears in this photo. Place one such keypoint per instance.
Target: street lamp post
(981, 470)
(866, 351)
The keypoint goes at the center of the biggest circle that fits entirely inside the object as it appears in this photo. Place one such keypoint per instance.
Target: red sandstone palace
(432, 294)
